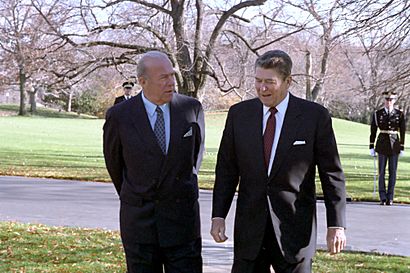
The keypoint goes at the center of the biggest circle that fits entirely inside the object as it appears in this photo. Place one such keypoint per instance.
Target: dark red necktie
(269, 135)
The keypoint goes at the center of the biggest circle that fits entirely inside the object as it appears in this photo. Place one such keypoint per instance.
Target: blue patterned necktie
(159, 129)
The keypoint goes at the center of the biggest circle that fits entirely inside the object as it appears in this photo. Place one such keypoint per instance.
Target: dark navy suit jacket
(306, 141)
(158, 193)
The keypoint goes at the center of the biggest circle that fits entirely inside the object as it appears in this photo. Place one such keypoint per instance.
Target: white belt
(389, 132)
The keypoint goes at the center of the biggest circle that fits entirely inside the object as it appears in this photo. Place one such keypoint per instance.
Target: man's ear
(142, 80)
(289, 80)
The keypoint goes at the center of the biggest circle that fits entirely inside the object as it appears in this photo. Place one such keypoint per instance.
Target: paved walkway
(371, 228)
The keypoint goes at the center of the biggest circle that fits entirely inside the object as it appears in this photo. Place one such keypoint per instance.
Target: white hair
(141, 66)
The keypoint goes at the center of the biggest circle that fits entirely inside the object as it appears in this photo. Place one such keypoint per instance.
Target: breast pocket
(301, 151)
(397, 121)
(188, 144)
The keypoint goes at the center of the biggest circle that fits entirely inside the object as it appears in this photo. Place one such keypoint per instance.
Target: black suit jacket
(158, 193)
(291, 184)
(119, 99)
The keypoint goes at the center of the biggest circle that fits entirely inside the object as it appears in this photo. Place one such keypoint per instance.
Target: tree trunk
(183, 57)
(406, 112)
(308, 71)
(69, 101)
(22, 83)
(33, 103)
(323, 71)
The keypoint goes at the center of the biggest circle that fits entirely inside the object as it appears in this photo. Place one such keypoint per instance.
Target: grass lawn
(39, 248)
(71, 148)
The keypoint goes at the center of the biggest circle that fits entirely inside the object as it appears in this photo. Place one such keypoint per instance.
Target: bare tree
(384, 41)
(128, 28)
(14, 37)
(328, 22)
(26, 50)
(242, 42)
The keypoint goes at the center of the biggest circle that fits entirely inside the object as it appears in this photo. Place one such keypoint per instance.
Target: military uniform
(390, 142)
(392, 131)
(125, 85)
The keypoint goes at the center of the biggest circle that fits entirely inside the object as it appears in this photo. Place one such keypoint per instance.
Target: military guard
(127, 88)
(390, 143)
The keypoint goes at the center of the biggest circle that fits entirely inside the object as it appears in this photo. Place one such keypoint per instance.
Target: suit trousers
(270, 255)
(151, 258)
(393, 160)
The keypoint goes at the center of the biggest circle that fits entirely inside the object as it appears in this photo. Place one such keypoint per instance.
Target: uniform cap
(128, 85)
(390, 94)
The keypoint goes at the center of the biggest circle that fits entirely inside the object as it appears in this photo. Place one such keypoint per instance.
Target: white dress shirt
(280, 116)
(152, 116)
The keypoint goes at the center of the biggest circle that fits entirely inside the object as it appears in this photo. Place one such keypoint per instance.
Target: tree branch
(144, 3)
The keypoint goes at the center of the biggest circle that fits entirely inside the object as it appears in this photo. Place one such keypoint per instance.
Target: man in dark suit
(127, 88)
(153, 147)
(270, 147)
(390, 143)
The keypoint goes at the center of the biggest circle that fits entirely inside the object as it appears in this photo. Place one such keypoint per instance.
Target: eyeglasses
(389, 99)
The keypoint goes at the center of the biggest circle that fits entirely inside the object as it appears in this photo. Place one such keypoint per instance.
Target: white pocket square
(299, 142)
(188, 133)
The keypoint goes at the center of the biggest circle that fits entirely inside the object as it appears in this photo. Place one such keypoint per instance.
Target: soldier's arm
(373, 130)
(402, 131)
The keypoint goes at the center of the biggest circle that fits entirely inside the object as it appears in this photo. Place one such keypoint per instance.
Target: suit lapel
(255, 128)
(290, 126)
(176, 118)
(141, 123)
(176, 123)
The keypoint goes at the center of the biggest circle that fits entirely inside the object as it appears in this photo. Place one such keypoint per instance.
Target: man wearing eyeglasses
(390, 143)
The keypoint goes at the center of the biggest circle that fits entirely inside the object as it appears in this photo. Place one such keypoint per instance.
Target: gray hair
(142, 67)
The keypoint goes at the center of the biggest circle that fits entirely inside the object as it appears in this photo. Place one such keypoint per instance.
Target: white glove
(401, 154)
(372, 152)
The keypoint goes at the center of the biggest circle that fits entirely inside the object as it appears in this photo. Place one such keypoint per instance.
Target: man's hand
(218, 230)
(336, 240)
(372, 152)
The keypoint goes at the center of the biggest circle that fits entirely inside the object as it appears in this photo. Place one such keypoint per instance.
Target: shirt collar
(387, 110)
(281, 107)
(150, 107)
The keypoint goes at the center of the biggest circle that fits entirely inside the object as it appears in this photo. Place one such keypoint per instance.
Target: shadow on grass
(207, 172)
(366, 156)
(349, 160)
(364, 146)
(47, 154)
(45, 112)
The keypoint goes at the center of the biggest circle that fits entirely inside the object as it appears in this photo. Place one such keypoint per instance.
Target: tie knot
(158, 110)
(273, 110)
